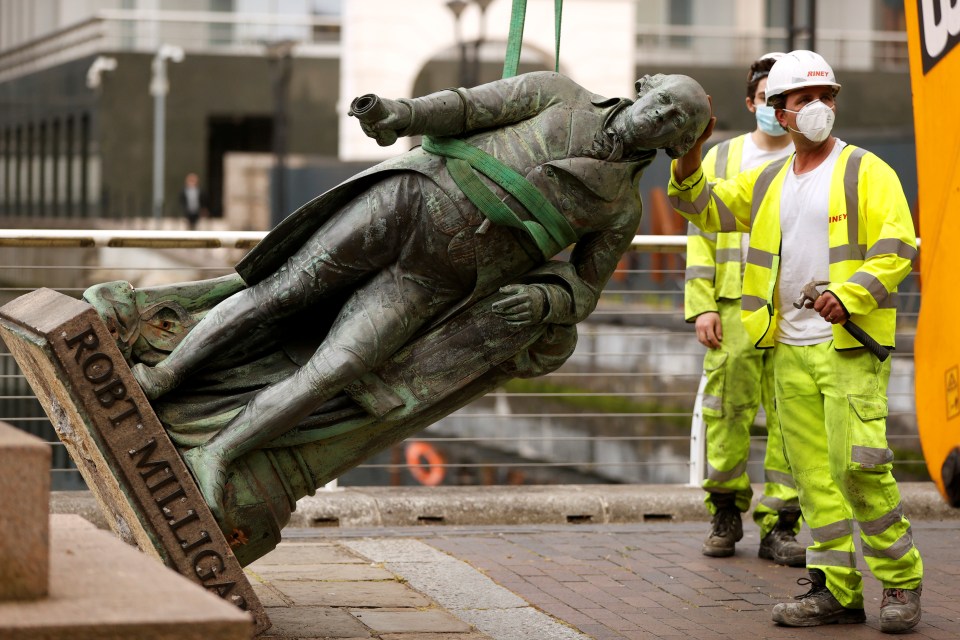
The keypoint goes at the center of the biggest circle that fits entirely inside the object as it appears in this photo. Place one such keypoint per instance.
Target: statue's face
(670, 113)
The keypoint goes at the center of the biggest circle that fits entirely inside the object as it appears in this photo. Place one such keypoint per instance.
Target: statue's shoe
(210, 473)
(155, 381)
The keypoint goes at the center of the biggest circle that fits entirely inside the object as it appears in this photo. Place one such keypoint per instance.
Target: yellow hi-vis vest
(713, 259)
(871, 235)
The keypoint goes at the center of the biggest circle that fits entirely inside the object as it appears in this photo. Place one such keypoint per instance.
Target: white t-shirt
(753, 156)
(805, 250)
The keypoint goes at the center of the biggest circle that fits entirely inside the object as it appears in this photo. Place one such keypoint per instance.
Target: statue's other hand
(524, 305)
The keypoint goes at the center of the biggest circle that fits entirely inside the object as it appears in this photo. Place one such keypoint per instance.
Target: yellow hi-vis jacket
(871, 235)
(713, 259)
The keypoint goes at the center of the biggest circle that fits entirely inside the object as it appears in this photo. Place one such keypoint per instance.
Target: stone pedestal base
(24, 503)
(101, 589)
(116, 441)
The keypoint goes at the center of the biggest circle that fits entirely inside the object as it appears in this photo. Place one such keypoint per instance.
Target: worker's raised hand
(708, 131)
(524, 305)
(380, 118)
(688, 163)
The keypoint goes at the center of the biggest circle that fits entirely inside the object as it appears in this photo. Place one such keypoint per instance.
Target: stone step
(24, 519)
(103, 589)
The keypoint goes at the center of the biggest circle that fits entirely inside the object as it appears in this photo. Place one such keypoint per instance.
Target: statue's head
(670, 113)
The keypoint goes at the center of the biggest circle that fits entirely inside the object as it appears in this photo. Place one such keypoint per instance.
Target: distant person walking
(193, 200)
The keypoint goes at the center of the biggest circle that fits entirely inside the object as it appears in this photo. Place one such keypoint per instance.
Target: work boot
(900, 610)
(816, 607)
(727, 527)
(780, 545)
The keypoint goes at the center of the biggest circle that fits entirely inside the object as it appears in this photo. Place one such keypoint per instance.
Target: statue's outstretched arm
(454, 112)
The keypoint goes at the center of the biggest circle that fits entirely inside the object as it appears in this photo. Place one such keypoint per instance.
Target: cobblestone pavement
(560, 582)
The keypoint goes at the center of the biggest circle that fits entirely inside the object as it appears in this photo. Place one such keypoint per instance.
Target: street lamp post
(159, 87)
(481, 38)
(456, 7)
(469, 73)
(280, 55)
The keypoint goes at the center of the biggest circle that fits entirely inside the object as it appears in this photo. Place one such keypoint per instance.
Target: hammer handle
(872, 345)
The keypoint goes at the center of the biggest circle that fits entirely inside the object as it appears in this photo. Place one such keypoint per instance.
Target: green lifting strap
(515, 38)
(551, 231)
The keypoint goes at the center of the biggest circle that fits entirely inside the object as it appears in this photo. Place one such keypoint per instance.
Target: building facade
(79, 83)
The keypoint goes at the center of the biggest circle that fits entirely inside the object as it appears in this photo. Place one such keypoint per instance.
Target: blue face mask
(767, 121)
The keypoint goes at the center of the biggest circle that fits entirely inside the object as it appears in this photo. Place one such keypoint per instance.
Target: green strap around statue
(550, 230)
(511, 60)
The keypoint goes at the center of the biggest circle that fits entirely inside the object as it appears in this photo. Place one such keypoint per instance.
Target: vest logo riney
(838, 218)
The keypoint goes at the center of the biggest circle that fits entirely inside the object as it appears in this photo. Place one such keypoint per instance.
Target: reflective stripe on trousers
(833, 407)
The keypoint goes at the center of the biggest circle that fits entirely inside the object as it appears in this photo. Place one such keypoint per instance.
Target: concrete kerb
(363, 507)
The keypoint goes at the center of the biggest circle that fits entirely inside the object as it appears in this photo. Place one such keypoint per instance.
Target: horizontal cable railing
(621, 409)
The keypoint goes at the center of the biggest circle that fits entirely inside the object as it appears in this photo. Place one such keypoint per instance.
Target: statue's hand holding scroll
(380, 118)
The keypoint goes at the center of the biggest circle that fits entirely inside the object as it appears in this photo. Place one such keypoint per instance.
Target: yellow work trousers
(833, 409)
(740, 378)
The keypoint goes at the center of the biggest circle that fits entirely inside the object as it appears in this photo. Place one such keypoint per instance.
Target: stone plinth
(24, 524)
(102, 589)
(118, 444)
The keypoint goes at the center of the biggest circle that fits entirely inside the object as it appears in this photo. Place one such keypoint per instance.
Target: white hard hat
(798, 69)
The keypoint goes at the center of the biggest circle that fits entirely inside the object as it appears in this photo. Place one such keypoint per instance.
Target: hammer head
(809, 293)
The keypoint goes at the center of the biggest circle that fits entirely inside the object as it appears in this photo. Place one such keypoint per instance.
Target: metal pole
(159, 87)
(812, 25)
(456, 7)
(159, 136)
(280, 55)
(791, 24)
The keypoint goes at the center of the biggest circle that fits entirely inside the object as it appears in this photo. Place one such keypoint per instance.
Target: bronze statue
(354, 316)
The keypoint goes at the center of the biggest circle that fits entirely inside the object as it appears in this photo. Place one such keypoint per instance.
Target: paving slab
(350, 594)
(322, 572)
(314, 622)
(421, 621)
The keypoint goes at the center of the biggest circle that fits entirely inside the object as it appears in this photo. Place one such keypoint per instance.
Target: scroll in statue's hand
(380, 118)
(525, 305)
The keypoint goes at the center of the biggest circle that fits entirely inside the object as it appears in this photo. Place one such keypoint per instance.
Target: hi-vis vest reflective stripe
(872, 246)
(714, 259)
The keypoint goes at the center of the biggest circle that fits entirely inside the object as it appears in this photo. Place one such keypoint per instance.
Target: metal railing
(622, 408)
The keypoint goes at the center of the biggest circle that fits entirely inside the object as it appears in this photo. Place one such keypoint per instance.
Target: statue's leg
(363, 238)
(375, 322)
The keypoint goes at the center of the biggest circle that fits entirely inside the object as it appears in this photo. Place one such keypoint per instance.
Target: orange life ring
(425, 463)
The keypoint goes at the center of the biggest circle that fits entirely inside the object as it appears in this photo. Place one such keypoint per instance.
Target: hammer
(810, 293)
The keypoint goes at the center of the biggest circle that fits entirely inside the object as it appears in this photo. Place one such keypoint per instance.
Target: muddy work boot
(780, 545)
(816, 607)
(727, 527)
(900, 610)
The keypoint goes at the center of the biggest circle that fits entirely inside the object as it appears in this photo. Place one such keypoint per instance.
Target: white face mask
(815, 121)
